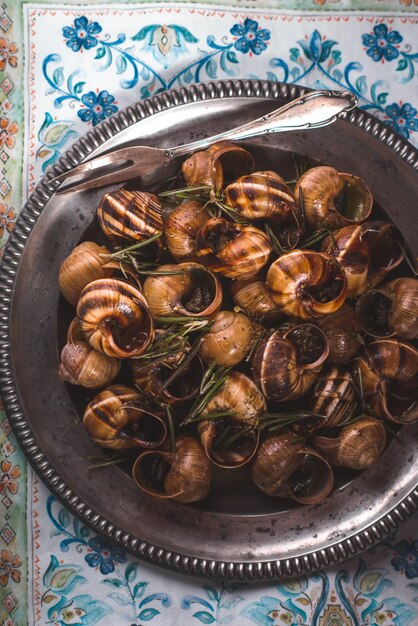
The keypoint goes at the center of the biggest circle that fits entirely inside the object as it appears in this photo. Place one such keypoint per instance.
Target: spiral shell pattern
(130, 215)
(87, 262)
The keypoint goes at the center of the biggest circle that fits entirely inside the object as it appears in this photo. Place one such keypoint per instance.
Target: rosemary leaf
(133, 247)
(184, 190)
(170, 427)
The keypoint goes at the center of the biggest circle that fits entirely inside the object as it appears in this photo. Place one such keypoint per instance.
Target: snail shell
(114, 317)
(233, 250)
(343, 331)
(334, 396)
(263, 196)
(358, 446)
(228, 340)
(81, 365)
(181, 228)
(220, 162)
(252, 297)
(389, 373)
(306, 284)
(194, 291)
(285, 468)
(242, 398)
(85, 263)
(286, 364)
(130, 215)
(118, 418)
(390, 310)
(184, 475)
(367, 252)
(332, 198)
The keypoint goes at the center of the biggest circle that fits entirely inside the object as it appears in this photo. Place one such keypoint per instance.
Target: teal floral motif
(166, 42)
(382, 44)
(407, 558)
(104, 555)
(250, 37)
(52, 136)
(98, 107)
(81, 35)
(402, 118)
(64, 608)
(217, 606)
(127, 590)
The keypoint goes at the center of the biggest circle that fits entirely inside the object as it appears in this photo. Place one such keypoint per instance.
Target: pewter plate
(240, 534)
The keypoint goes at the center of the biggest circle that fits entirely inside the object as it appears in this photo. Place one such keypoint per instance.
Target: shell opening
(202, 291)
(127, 338)
(373, 311)
(385, 249)
(328, 289)
(310, 343)
(151, 473)
(310, 480)
(185, 385)
(354, 200)
(147, 430)
(220, 235)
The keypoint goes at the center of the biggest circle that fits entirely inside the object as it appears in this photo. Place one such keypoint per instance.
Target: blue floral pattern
(250, 37)
(98, 107)
(81, 35)
(104, 555)
(383, 43)
(407, 558)
(403, 118)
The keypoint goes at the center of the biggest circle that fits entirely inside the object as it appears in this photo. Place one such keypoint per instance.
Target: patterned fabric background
(75, 66)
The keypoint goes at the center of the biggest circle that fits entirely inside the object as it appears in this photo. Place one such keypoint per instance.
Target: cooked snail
(181, 228)
(229, 433)
(86, 262)
(220, 162)
(229, 339)
(332, 198)
(114, 318)
(81, 365)
(334, 396)
(287, 363)
(265, 196)
(358, 445)
(233, 250)
(306, 284)
(130, 215)
(184, 475)
(391, 309)
(118, 418)
(192, 290)
(343, 331)
(389, 376)
(252, 297)
(285, 468)
(366, 252)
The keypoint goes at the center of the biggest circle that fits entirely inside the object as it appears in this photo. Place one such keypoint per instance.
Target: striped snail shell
(114, 318)
(232, 250)
(265, 196)
(119, 418)
(287, 364)
(192, 290)
(358, 445)
(306, 284)
(344, 334)
(220, 162)
(389, 375)
(334, 396)
(181, 228)
(229, 339)
(130, 215)
(85, 263)
(252, 296)
(366, 252)
(332, 198)
(285, 468)
(184, 475)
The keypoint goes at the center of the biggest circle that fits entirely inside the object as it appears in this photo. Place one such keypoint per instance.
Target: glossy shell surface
(240, 536)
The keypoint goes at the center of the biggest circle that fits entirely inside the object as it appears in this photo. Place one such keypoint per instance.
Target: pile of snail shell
(300, 353)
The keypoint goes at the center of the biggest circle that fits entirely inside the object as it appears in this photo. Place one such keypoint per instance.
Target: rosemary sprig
(255, 345)
(184, 190)
(179, 370)
(170, 421)
(227, 442)
(122, 252)
(212, 416)
(301, 164)
(182, 319)
(316, 237)
(275, 421)
(212, 381)
(275, 243)
(106, 460)
(229, 212)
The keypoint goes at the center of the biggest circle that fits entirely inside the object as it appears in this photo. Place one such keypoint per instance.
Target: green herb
(184, 190)
(170, 427)
(103, 460)
(179, 370)
(212, 381)
(121, 252)
(275, 243)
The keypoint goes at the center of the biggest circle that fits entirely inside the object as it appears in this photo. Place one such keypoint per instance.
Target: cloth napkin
(63, 69)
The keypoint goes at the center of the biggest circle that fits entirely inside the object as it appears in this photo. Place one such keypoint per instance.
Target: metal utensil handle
(313, 110)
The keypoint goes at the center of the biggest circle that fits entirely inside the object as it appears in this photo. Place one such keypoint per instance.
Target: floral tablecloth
(66, 67)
